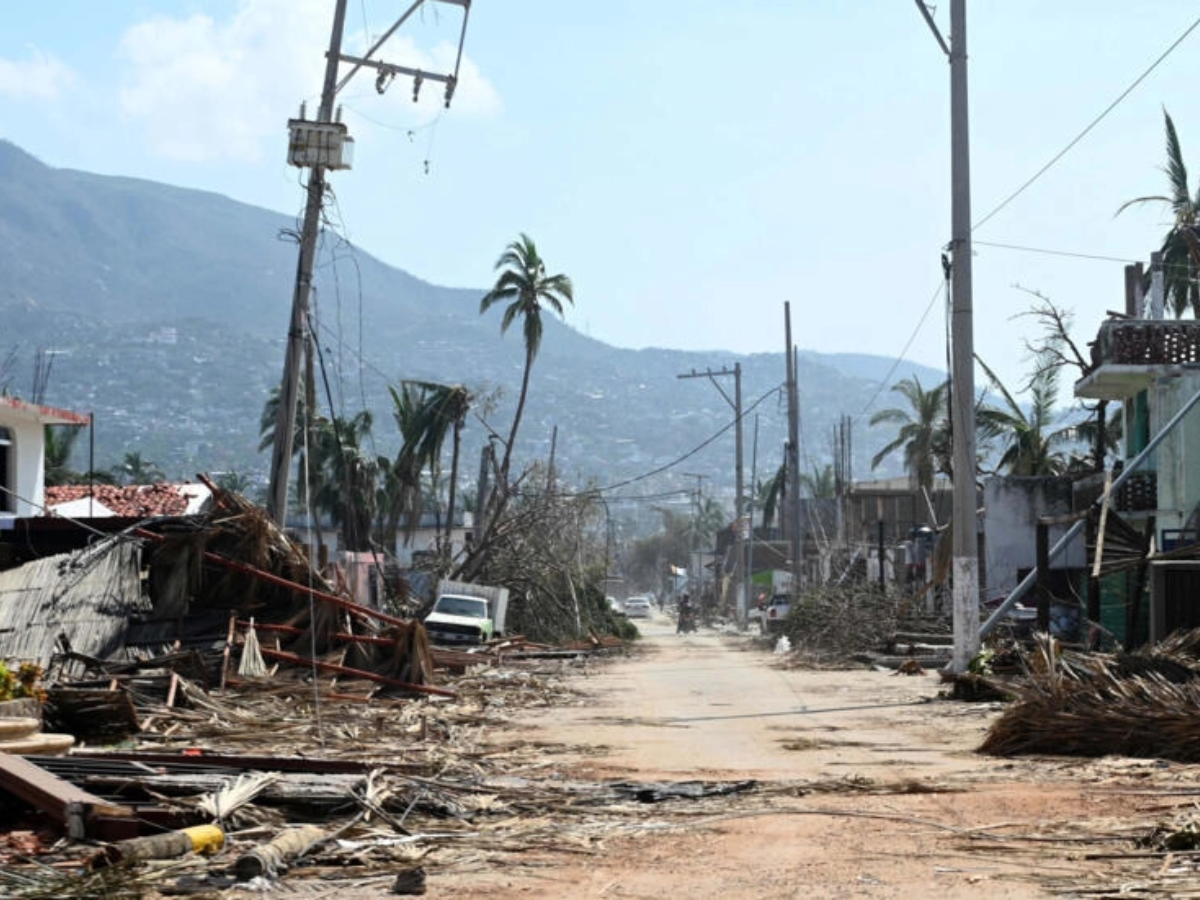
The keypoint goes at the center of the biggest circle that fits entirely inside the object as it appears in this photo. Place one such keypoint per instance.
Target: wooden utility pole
(285, 416)
(319, 145)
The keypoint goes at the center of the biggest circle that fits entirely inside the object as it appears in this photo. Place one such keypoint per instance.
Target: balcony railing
(1139, 493)
(1147, 342)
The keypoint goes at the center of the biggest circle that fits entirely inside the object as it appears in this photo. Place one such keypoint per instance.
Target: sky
(690, 165)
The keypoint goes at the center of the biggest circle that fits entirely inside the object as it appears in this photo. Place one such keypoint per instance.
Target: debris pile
(1144, 704)
(854, 622)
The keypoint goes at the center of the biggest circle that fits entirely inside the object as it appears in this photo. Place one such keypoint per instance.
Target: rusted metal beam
(355, 673)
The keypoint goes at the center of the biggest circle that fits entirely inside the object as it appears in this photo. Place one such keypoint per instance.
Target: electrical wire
(1048, 252)
(907, 345)
(1096, 121)
(689, 454)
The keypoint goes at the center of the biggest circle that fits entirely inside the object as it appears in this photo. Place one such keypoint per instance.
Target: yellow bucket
(205, 838)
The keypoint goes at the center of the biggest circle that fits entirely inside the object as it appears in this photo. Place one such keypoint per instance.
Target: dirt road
(868, 786)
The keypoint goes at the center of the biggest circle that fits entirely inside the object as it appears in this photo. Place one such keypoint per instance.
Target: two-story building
(1152, 368)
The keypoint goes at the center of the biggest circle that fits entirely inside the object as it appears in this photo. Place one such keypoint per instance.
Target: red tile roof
(135, 501)
(47, 415)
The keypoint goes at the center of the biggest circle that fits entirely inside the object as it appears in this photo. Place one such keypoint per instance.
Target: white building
(23, 455)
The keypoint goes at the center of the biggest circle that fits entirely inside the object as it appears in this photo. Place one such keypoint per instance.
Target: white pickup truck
(775, 614)
(466, 613)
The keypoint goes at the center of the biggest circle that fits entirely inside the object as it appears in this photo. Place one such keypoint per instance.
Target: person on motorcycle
(685, 613)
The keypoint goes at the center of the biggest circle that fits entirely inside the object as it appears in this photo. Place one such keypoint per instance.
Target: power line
(908, 344)
(1096, 121)
(690, 453)
(1049, 252)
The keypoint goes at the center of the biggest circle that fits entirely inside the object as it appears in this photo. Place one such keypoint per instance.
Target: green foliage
(1181, 245)
(1029, 438)
(923, 433)
(23, 682)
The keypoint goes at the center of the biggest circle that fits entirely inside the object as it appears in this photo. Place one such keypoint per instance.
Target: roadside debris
(1142, 704)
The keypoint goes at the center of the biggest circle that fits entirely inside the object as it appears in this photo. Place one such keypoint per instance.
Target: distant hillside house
(23, 455)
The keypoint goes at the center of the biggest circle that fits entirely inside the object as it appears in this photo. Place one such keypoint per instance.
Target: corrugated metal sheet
(87, 597)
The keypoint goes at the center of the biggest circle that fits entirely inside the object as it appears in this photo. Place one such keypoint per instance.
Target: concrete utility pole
(323, 144)
(792, 463)
(962, 381)
(739, 545)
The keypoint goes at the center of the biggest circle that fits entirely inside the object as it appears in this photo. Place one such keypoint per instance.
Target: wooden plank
(52, 795)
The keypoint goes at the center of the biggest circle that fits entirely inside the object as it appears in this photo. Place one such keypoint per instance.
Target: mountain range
(164, 312)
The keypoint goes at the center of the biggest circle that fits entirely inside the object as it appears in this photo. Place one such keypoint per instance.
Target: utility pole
(962, 421)
(319, 145)
(792, 463)
(739, 544)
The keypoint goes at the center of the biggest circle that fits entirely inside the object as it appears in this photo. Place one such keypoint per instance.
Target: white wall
(1178, 462)
(28, 452)
(1013, 507)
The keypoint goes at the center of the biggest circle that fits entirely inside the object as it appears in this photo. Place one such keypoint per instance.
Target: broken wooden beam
(83, 814)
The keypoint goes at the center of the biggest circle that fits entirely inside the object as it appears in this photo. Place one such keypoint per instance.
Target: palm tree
(1181, 245)
(135, 470)
(59, 443)
(237, 482)
(923, 429)
(1030, 440)
(425, 413)
(821, 483)
(446, 408)
(345, 487)
(524, 285)
(770, 494)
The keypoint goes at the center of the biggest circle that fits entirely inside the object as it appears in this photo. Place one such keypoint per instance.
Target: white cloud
(40, 77)
(205, 89)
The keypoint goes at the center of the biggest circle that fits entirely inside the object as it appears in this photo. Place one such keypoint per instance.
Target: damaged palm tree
(548, 550)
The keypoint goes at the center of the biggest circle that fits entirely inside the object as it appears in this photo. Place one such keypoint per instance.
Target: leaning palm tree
(923, 429)
(769, 495)
(524, 285)
(1030, 440)
(1181, 245)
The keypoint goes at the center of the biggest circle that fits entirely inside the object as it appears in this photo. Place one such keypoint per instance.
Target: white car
(637, 607)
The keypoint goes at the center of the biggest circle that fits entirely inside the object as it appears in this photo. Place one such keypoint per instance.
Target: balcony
(1129, 354)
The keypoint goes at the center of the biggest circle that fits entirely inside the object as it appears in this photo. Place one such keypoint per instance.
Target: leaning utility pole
(319, 145)
(962, 422)
(739, 544)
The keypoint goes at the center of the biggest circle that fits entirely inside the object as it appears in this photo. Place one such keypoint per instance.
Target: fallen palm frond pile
(1144, 704)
